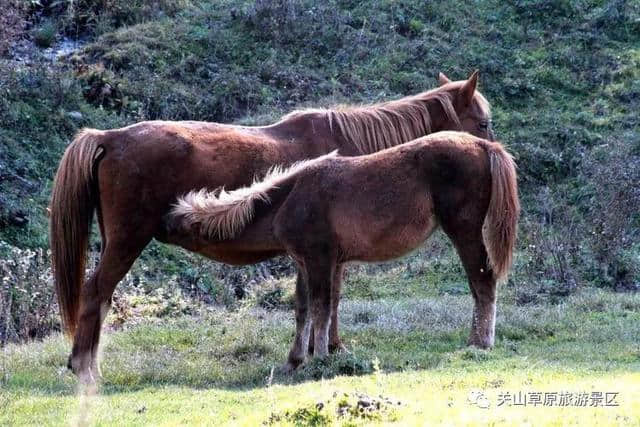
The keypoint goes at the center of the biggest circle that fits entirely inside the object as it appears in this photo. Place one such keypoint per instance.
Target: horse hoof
(86, 378)
(289, 368)
(338, 348)
(480, 344)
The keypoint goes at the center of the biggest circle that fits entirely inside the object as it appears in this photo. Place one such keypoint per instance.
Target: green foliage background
(563, 78)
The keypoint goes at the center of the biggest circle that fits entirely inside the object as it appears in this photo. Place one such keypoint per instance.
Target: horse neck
(365, 130)
(306, 135)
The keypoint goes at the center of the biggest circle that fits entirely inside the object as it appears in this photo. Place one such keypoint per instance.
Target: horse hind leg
(482, 283)
(335, 343)
(95, 302)
(483, 286)
(320, 276)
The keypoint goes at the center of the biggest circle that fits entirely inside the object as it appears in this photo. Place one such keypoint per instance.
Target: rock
(364, 402)
(76, 115)
(106, 90)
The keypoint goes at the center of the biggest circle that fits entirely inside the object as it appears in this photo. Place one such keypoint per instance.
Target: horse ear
(469, 88)
(443, 80)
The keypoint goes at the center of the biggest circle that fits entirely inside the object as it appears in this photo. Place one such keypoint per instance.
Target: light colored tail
(500, 225)
(72, 207)
(223, 215)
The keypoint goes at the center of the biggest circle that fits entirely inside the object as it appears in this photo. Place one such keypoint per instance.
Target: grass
(218, 367)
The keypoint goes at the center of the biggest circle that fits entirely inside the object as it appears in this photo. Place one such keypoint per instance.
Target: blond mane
(224, 214)
(372, 128)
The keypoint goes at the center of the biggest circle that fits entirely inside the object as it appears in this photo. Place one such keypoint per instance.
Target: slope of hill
(563, 78)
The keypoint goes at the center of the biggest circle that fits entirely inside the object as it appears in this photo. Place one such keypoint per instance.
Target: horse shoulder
(302, 222)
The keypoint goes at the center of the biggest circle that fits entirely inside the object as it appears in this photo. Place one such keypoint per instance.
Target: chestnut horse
(131, 176)
(332, 210)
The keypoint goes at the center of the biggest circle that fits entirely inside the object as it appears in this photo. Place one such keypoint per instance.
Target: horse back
(144, 168)
(163, 159)
(369, 208)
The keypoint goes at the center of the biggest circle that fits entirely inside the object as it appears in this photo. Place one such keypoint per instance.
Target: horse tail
(500, 225)
(72, 205)
(224, 215)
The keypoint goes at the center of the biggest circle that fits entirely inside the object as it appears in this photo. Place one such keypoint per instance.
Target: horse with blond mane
(332, 210)
(130, 178)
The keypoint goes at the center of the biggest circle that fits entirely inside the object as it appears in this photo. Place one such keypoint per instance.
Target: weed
(45, 34)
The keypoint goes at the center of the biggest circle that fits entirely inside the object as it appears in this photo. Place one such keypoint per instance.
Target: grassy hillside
(562, 76)
(193, 342)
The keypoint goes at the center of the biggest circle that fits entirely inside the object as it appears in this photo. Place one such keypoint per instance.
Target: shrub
(28, 307)
(45, 34)
(97, 16)
(613, 219)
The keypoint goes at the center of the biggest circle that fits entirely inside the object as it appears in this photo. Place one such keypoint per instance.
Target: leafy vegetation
(562, 77)
(191, 341)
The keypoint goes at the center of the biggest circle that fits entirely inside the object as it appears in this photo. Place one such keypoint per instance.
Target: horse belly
(374, 240)
(254, 244)
(398, 243)
(234, 251)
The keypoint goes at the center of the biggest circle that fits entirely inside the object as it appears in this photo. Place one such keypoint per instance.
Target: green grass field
(409, 365)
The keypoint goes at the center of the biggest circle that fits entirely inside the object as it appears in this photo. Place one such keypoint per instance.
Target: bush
(584, 232)
(45, 34)
(28, 307)
(613, 214)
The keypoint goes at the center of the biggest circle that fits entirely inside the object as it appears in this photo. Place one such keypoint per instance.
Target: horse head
(472, 108)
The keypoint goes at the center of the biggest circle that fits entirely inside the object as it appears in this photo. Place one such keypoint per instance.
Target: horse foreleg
(319, 280)
(303, 324)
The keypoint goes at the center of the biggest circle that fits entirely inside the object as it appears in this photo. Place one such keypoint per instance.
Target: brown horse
(332, 210)
(131, 176)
